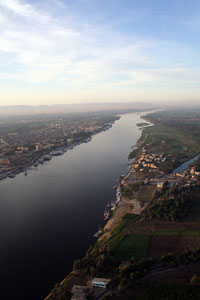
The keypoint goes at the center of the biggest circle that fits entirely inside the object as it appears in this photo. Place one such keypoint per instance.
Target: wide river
(48, 218)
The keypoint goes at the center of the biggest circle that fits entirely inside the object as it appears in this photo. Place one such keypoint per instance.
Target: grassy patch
(127, 221)
(167, 232)
(132, 246)
(190, 232)
(176, 143)
(172, 232)
(132, 154)
(146, 192)
(114, 241)
(119, 232)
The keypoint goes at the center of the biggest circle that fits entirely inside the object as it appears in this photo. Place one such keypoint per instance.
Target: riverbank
(67, 185)
(40, 156)
(126, 235)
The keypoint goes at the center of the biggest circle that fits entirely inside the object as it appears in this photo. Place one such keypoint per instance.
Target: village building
(100, 282)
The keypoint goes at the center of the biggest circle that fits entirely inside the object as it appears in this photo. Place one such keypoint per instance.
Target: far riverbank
(37, 211)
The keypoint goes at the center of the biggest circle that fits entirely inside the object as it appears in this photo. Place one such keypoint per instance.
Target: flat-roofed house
(80, 292)
(100, 282)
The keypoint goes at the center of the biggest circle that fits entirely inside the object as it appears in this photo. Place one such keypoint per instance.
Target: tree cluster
(170, 205)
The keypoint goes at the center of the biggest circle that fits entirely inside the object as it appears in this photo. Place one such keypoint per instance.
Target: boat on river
(99, 232)
(41, 160)
(11, 175)
(36, 164)
(113, 206)
(106, 214)
(47, 157)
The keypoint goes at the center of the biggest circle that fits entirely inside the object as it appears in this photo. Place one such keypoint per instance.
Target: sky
(86, 51)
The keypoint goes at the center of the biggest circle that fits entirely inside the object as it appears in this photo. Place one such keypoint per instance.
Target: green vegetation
(190, 232)
(146, 193)
(172, 292)
(136, 269)
(133, 154)
(127, 221)
(176, 232)
(131, 189)
(121, 230)
(167, 232)
(140, 191)
(194, 214)
(170, 204)
(174, 133)
(132, 246)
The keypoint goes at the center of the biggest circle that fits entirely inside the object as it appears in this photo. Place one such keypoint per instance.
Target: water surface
(48, 218)
(185, 165)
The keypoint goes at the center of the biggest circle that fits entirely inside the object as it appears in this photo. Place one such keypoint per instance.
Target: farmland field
(118, 234)
(146, 192)
(162, 245)
(191, 242)
(127, 221)
(132, 246)
(188, 232)
(167, 232)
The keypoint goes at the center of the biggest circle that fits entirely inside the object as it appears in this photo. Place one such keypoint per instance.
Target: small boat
(36, 164)
(113, 205)
(41, 160)
(47, 157)
(113, 208)
(26, 173)
(57, 153)
(11, 176)
(106, 214)
(99, 232)
(109, 204)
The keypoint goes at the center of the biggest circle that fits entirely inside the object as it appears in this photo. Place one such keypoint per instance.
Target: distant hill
(70, 108)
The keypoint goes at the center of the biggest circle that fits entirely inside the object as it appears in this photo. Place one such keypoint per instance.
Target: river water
(185, 165)
(48, 218)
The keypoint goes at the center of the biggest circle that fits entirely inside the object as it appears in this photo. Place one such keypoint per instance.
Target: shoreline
(62, 149)
(122, 207)
(118, 182)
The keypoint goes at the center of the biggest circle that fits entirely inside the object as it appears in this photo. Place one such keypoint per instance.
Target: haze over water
(48, 218)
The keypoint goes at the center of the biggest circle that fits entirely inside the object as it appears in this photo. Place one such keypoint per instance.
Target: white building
(100, 282)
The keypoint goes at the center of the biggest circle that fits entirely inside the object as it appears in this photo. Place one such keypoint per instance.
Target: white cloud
(24, 9)
(42, 48)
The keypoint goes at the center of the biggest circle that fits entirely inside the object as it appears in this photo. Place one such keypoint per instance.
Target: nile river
(48, 218)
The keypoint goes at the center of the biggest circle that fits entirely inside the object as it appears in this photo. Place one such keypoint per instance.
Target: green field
(178, 145)
(140, 191)
(167, 232)
(132, 246)
(119, 232)
(170, 232)
(146, 192)
(127, 221)
(190, 232)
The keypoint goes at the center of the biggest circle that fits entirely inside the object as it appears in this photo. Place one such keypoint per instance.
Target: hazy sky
(68, 51)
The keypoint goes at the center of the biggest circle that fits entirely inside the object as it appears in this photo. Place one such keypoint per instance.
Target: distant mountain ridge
(70, 108)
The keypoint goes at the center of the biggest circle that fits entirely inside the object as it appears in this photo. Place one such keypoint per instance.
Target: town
(29, 141)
